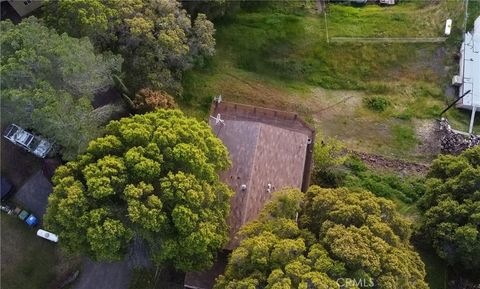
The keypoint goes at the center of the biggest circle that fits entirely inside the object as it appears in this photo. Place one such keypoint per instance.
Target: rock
(453, 142)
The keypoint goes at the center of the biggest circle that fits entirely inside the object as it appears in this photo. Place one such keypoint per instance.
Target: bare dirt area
(398, 166)
(335, 113)
(429, 136)
(254, 92)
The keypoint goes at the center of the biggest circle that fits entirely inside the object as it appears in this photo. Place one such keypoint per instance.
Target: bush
(328, 157)
(376, 103)
(451, 207)
(147, 100)
(406, 189)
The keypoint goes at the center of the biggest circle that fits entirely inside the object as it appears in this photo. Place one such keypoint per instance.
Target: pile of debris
(454, 142)
(381, 163)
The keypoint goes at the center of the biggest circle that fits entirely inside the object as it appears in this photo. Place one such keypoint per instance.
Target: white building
(469, 76)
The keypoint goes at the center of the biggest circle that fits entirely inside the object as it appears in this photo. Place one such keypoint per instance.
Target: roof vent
(309, 141)
(269, 188)
(243, 187)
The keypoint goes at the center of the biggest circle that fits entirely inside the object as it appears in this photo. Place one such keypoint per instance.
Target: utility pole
(465, 19)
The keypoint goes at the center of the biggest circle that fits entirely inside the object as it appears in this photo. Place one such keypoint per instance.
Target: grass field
(28, 261)
(273, 58)
(410, 19)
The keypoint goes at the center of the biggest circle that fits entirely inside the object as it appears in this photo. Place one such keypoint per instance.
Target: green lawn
(409, 19)
(28, 261)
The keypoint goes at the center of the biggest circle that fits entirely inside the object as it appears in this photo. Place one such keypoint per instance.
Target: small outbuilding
(468, 79)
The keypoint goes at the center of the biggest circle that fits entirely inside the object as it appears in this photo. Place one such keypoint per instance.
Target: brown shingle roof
(266, 147)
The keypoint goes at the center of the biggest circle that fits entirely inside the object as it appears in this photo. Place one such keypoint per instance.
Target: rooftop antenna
(269, 188)
(218, 99)
(218, 119)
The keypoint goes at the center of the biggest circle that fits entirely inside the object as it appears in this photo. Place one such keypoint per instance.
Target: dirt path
(381, 163)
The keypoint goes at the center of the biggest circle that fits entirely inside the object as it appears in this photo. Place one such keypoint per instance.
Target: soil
(381, 163)
(429, 136)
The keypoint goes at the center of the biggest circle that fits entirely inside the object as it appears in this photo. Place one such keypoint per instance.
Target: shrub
(147, 100)
(376, 103)
(328, 157)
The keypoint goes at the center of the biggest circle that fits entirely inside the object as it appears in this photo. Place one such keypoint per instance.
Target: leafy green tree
(48, 82)
(452, 209)
(340, 235)
(78, 18)
(213, 9)
(157, 39)
(366, 234)
(152, 176)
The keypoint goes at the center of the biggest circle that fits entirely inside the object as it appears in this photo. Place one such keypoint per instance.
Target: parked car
(47, 235)
(6, 188)
(28, 141)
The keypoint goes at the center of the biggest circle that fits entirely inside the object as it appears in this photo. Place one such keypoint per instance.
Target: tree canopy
(452, 209)
(152, 176)
(49, 80)
(157, 39)
(342, 238)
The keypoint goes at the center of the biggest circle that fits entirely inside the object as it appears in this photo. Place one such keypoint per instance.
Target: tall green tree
(48, 82)
(452, 209)
(153, 176)
(326, 239)
(213, 8)
(157, 39)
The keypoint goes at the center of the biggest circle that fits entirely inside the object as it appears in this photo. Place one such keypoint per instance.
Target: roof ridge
(245, 205)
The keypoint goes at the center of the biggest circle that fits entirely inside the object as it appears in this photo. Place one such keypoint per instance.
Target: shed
(470, 71)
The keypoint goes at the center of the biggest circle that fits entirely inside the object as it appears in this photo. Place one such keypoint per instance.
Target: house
(270, 150)
(468, 79)
(17, 9)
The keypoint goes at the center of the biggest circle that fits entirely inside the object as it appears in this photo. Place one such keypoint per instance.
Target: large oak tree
(152, 176)
(157, 38)
(452, 209)
(325, 239)
(48, 82)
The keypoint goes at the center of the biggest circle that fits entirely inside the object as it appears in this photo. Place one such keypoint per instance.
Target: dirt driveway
(17, 164)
